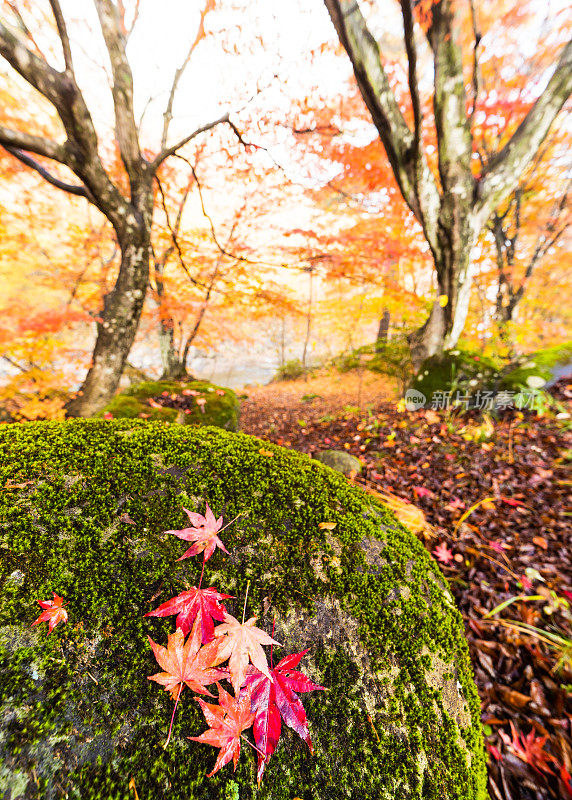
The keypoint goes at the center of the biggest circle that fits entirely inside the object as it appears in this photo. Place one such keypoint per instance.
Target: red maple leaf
(202, 605)
(275, 698)
(186, 663)
(54, 612)
(443, 554)
(529, 748)
(510, 501)
(227, 721)
(203, 532)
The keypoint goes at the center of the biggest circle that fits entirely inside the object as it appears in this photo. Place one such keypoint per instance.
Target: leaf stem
(202, 573)
(272, 645)
(245, 599)
(173, 718)
(232, 520)
(253, 745)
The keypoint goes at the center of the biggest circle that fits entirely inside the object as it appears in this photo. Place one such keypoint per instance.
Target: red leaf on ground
(227, 721)
(443, 554)
(54, 612)
(202, 605)
(277, 697)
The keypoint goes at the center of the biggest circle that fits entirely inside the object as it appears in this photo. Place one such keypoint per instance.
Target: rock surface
(340, 461)
(83, 514)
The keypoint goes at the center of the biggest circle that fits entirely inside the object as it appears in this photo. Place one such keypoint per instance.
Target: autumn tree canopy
(452, 199)
(125, 198)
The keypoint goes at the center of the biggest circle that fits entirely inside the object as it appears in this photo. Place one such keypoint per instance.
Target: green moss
(539, 365)
(456, 370)
(78, 717)
(221, 410)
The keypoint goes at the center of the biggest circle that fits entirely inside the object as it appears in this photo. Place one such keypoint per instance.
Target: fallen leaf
(242, 642)
(442, 553)
(276, 697)
(186, 663)
(54, 612)
(203, 533)
(226, 723)
(203, 605)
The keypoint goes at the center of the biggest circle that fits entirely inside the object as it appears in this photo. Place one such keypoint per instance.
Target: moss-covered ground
(79, 719)
(221, 406)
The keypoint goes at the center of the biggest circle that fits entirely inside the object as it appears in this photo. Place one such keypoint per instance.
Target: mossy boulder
(455, 371)
(221, 406)
(83, 514)
(538, 370)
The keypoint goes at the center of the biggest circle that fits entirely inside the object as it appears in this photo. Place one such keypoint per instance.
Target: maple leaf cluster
(264, 696)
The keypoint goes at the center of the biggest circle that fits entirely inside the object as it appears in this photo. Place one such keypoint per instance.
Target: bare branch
(63, 34)
(23, 27)
(168, 115)
(121, 9)
(35, 144)
(174, 231)
(200, 316)
(169, 151)
(70, 188)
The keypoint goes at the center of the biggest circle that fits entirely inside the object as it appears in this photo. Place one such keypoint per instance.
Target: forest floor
(495, 500)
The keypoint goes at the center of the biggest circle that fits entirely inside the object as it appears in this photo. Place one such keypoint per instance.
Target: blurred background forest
(282, 236)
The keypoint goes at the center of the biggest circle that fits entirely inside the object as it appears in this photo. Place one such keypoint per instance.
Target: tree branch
(70, 188)
(174, 231)
(122, 90)
(393, 130)
(505, 168)
(63, 34)
(168, 115)
(169, 151)
(478, 37)
(35, 144)
(409, 36)
(121, 9)
(34, 69)
(23, 27)
(62, 91)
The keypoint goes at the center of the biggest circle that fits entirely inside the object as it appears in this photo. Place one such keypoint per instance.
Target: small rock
(340, 461)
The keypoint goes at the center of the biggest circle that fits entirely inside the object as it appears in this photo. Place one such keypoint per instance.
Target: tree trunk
(453, 210)
(174, 368)
(382, 331)
(118, 326)
(454, 280)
